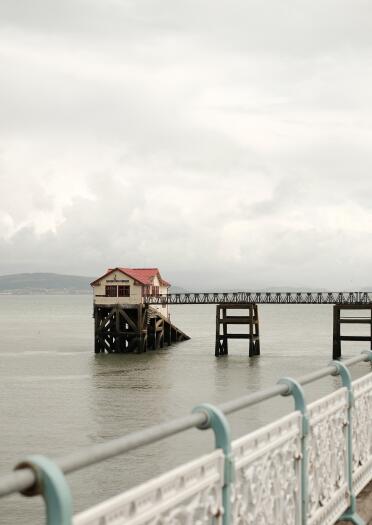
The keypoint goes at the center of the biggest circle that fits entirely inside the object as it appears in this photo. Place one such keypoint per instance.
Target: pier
(131, 312)
(306, 468)
(350, 301)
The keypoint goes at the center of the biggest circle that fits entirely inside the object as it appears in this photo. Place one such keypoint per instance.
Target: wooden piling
(223, 319)
(336, 332)
(132, 329)
(338, 320)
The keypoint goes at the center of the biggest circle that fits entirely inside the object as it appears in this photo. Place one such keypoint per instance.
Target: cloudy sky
(227, 142)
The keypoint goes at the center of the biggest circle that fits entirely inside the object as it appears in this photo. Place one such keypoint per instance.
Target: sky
(227, 143)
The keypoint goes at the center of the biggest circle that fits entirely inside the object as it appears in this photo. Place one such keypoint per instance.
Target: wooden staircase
(161, 331)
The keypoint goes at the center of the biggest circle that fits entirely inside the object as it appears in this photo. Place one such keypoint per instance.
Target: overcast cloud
(227, 143)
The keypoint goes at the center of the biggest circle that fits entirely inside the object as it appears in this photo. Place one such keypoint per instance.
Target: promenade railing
(304, 468)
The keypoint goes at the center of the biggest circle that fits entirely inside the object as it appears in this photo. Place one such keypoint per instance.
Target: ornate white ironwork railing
(327, 459)
(362, 432)
(304, 469)
(189, 494)
(267, 486)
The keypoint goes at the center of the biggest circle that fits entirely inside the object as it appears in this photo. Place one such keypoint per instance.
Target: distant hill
(50, 283)
(44, 283)
(177, 289)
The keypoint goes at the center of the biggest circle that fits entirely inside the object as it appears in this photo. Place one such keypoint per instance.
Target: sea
(57, 396)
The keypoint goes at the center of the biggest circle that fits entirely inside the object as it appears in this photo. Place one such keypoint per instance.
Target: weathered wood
(251, 345)
(127, 319)
(256, 331)
(132, 328)
(338, 321)
(224, 320)
(238, 319)
(355, 320)
(224, 331)
(336, 333)
(217, 343)
(355, 338)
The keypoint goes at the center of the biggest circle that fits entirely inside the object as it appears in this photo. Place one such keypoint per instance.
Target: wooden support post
(97, 340)
(140, 334)
(251, 340)
(117, 330)
(336, 332)
(338, 320)
(217, 345)
(224, 331)
(256, 332)
(168, 328)
(132, 328)
(222, 318)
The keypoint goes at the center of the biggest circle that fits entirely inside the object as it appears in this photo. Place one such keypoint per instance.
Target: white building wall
(117, 278)
(164, 310)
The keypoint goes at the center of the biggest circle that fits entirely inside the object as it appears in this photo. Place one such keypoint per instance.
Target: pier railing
(344, 298)
(304, 468)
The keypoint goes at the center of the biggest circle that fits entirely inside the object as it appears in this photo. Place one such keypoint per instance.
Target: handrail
(24, 479)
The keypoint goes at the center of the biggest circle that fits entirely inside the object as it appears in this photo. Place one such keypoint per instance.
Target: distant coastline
(44, 284)
(61, 284)
(50, 291)
(50, 284)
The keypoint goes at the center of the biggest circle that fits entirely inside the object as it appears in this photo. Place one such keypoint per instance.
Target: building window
(155, 290)
(111, 291)
(145, 290)
(124, 291)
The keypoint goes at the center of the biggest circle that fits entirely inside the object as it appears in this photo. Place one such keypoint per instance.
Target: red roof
(142, 275)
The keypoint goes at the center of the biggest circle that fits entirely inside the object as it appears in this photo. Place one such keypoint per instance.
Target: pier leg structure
(132, 328)
(338, 320)
(223, 320)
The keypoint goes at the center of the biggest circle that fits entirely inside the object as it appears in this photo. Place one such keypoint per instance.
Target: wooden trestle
(338, 321)
(132, 328)
(223, 320)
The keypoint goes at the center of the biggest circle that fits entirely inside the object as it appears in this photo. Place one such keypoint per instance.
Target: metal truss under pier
(262, 298)
(132, 328)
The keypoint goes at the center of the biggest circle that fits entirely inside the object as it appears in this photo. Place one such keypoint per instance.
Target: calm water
(56, 395)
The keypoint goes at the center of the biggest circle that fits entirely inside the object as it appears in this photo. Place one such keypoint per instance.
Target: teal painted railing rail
(305, 468)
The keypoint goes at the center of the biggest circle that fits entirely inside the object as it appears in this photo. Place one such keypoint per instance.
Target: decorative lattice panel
(188, 495)
(362, 432)
(327, 458)
(267, 479)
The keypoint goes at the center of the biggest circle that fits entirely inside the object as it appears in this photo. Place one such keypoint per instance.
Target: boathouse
(124, 321)
(130, 286)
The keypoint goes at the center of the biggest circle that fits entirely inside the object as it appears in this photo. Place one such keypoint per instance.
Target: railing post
(295, 390)
(350, 514)
(52, 486)
(368, 354)
(217, 421)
